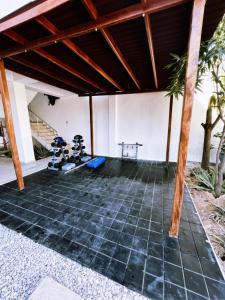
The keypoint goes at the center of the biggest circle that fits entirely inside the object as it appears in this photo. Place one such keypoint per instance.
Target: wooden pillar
(169, 130)
(91, 125)
(9, 126)
(190, 81)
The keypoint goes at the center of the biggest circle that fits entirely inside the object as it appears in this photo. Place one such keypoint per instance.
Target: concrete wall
(130, 118)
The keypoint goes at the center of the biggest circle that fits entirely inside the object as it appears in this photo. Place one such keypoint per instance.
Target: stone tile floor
(115, 220)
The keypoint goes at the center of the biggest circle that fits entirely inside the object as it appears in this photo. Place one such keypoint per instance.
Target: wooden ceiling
(101, 46)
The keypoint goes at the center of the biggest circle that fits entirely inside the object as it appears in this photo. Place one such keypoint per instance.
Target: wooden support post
(9, 126)
(91, 126)
(169, 130)
(190, 81)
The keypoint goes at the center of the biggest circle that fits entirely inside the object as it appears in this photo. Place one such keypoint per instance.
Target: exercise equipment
(78, 150)
(96, 162)
(58, 153)
(129, 151)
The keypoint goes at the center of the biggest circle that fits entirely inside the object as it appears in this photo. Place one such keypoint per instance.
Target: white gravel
(24, 263)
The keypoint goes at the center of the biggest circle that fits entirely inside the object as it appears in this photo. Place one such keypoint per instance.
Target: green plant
(211, 61)
(203, 179)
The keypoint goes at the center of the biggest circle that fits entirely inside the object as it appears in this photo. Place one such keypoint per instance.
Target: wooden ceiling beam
(110, 19)
(47, 72)
(73, 47)
(30, 13)
(21, 69)
(20, 39)
(150, 44)
(111, 42)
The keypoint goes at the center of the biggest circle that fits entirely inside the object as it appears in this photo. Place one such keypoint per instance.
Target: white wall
(21, 122)
(70, 116)
(130, 118)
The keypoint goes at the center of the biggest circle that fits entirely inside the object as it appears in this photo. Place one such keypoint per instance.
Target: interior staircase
(42, 131)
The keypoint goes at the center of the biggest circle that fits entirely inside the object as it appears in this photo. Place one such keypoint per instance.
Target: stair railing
(35, 119)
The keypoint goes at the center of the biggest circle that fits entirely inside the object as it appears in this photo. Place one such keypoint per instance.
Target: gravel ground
(24, 263)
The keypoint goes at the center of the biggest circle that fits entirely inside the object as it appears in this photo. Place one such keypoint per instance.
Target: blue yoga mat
(96, 162)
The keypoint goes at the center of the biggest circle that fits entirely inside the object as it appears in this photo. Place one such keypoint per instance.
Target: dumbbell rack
(58, 150)
(55, 152)
(133, 147)
(78, 149)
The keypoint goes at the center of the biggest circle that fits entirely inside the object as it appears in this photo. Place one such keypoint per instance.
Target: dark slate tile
(191, 262)
(50, 241)
(156, 227)
(211, 269)
(142, 233)
(24, 227)
(117, 225)
(154, 266)
(188, 247)
(194, 296)
(121, 253)
(125, 240)
(129, 229)
(62, 246)
(195, 283)
(108, 248)
(112, 235)
(83, 238)
(133, 279)
(74, 250)
(96, 243)
(132, 220)
(171, 242)
(172, 256)
(173, 292)
(140, 245)
(100, 263)
(155, 250)
(3, 215)
(156, 237)
(143, 223)
(116, 271)
(12, 222)
(153, 287)
(204, 250)
(173, 274)
(137, 260)
(86, 256)
(216, 289)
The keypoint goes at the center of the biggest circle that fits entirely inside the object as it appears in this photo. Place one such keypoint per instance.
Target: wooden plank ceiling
(101, 46)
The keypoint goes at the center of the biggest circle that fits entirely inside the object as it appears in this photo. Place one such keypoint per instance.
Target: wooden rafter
(9, 125)
(150, 42)
(20, 39)
(111, 42)
(31, 13)
(48, 72)
(190, 80)
(110, 19)
(73, 47)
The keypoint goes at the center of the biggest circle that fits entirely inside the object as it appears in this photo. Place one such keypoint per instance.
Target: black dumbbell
(53, 144)
(56, 165)
(66, 151)
(51, 153)
(50, 164)
(58, 153)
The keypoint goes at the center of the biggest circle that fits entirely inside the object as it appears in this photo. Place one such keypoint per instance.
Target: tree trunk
(219, 168)
(208, 126)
